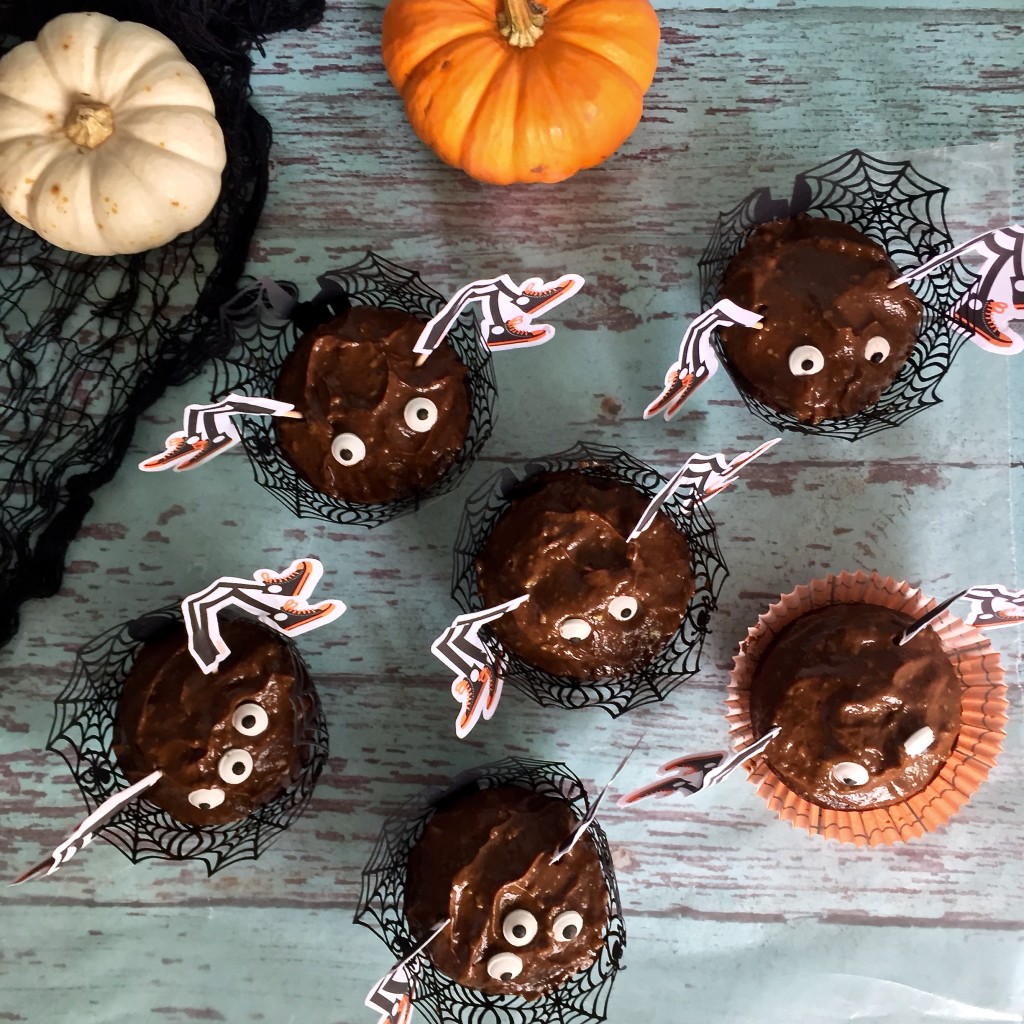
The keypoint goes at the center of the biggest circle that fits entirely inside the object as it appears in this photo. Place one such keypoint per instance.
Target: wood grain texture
(731, 914)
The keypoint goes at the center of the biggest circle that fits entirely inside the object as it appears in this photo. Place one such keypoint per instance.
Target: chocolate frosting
(486, 853)
(173, 717)
(356, 375)
(843, 691)
(823, 284)
(563, 542)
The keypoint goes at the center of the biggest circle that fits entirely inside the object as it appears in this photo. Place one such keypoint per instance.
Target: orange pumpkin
(512, 91)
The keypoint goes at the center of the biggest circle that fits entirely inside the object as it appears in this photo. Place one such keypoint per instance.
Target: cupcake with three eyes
(376, 430)
(611, 620)
(839, 351)
(238, 750)
(881, 737)
(529, 925)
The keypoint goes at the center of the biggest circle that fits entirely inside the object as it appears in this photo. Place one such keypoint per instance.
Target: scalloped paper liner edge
(983, 714)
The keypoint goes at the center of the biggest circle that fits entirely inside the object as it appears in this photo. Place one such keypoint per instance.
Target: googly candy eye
(918, 742)
(235, 766)
(206, 799)
(420, 415)
(574, 630)
(623, 608)
(877, 349)
(567, 926)
(519, 927)
(504, 966)
(805, 360)
(348, 449)
(849, 773)
(250, 719)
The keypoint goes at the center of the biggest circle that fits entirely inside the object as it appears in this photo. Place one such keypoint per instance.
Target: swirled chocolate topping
(834, 336)
(376, 428)
(520, 924)
(865, 723)
(563, 542)
(231, 740)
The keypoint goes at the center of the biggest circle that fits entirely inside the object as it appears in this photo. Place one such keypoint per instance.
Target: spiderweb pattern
(87, 343)
(264, 336)
(83, 732)
(679, 658)
(583, 999)
(904, 212)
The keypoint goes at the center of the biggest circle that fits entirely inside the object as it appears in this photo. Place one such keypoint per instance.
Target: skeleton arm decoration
(208, 430)
(695, 772)
(697, 361)
(278, 601)
(705, 475)
(997, 297)
(993, 605)
(477, 686)
(507, 312)
(392, 996)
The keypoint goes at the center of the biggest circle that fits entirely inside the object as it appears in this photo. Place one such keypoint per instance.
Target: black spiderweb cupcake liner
(904, 212)
(264, 334)
(83, 731)
(581, 999)
(87, 343)
(677, 661)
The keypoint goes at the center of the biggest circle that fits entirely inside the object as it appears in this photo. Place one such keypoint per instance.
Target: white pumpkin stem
(89, 124)
(521, 22)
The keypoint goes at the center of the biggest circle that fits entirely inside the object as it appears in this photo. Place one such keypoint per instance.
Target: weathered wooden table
(731, 915)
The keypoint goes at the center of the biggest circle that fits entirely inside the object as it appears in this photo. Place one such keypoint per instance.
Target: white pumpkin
(108, 139)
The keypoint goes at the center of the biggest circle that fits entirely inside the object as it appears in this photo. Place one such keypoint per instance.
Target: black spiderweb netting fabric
(87, 343)
(583, 999)
(904, 212)
(676, 662)
(83, 731)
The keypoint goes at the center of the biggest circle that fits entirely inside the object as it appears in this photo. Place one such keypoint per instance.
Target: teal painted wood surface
(732, 915)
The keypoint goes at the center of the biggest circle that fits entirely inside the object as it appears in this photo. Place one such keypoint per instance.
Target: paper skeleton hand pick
(697, 361)
(507, 311)
(86, 830)
(993, 605)
(705, 475)
(695, 772)
(208, 431)
(985, 310)
(277, 600)
(477, 686)
(393, 994)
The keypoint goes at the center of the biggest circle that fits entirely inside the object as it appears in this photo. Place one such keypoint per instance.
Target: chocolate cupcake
(610, 622)
(379, 435)
(376, 427)
(520, 924)
(241, 749)
(878, 742)
(528, 940)
(834, 334)
(839, 353)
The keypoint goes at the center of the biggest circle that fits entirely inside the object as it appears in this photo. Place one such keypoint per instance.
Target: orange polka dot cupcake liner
(983, 714)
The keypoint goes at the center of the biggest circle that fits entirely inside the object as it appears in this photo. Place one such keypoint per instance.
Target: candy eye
(918, 742)
(504, 966)
(420, 415)
(849, 773)
(623, 608)
(348, 449)
(519, 927)
(805, 360)
(567, 926)
(206, 799)
(877, 349)
(250, 719)
(574, 630)
(235, 766)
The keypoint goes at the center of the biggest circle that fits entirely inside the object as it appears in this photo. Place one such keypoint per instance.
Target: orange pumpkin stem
(521, 22)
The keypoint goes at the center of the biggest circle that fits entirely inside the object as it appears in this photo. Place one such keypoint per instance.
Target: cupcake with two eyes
(840, 351)
(881, 737)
